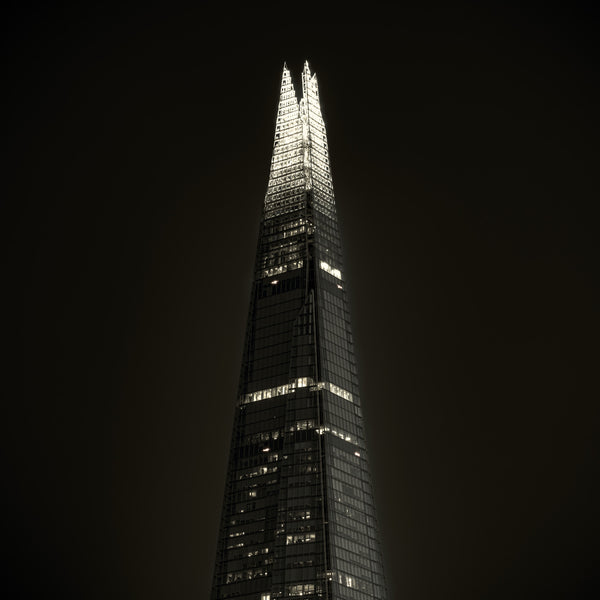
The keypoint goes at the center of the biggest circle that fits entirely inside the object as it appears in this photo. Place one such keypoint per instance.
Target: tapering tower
(298, 516)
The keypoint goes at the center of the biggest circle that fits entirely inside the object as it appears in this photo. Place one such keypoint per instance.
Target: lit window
(331, 270)
(301, 589)
(300, 538)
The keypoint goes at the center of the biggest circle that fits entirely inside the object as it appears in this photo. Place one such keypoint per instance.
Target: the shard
(298, 518)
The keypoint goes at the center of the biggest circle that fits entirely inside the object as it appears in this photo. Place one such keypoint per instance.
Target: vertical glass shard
(298, 514)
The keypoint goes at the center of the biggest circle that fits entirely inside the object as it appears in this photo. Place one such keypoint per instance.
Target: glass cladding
(298, 517)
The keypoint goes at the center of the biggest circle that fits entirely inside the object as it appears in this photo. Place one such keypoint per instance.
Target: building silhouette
(298, 518)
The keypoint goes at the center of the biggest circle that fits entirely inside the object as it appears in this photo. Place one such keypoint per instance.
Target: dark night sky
(464, 146)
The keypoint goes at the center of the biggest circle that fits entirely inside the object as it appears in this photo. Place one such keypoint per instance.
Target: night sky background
(465, 149)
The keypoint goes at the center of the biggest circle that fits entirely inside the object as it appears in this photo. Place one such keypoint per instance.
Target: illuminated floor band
(290, 388)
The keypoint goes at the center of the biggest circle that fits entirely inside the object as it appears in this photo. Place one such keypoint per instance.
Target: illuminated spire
(300, 159)
(286, 180)
(317, 140)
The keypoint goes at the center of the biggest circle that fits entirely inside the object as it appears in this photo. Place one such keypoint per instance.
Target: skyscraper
(298, 516)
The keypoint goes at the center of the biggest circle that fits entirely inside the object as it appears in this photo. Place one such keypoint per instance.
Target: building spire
(286, 79)
(300, 150)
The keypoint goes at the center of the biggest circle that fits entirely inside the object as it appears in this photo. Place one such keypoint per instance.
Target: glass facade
(298, 517)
